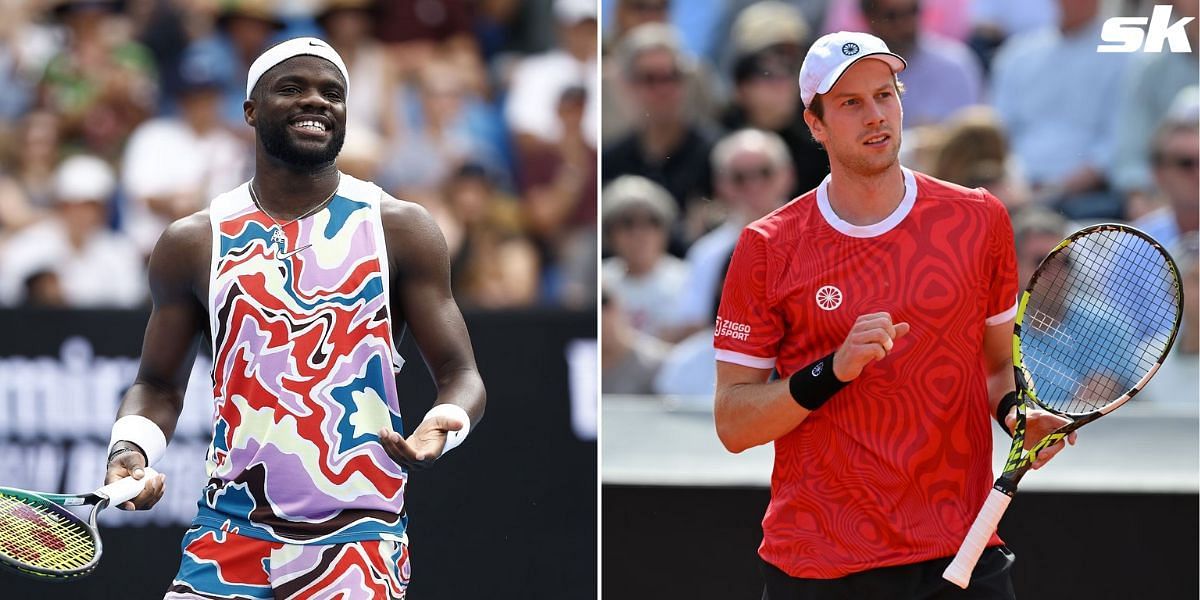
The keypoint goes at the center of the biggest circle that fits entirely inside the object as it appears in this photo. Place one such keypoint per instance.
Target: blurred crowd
(120, 116)
(703, 133)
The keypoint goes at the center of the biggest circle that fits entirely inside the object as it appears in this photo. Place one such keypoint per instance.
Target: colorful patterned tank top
(303, 373)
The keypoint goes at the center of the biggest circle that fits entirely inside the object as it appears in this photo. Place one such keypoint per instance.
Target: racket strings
(40, 537)
(1101, 315)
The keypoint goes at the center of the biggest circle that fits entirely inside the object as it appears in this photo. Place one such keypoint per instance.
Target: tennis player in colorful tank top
(884, 299)
(304, 277)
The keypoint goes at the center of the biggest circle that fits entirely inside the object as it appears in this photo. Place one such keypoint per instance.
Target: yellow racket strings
(40, 537)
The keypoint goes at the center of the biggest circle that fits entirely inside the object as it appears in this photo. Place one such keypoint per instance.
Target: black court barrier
(701, 543)
(510, 513)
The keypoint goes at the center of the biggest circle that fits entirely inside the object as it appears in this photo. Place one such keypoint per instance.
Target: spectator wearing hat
(538, 81)
(943, 75)
(668, 145)
(636, 216)
(765, 94)
(811, 12)
(95, 266)
(1057, 97)
(349, 28)
(245, 28)
(1150, 85)
(174, 164)
(769, 26)
(101, 84)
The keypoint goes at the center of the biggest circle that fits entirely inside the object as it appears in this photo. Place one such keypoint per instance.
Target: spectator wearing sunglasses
(702, 90)
(636, 214)
(943, 75)
(668, 145)
(753, 176)
(1173, 210)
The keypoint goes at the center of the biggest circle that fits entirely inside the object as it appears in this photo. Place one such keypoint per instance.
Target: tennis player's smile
(311, 125)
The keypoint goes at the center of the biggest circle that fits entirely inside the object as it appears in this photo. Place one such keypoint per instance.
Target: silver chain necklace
(278, 237)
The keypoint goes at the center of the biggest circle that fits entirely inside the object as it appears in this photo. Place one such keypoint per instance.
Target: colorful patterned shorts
(221, 564)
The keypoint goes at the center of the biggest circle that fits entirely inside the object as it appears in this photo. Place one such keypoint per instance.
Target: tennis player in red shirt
(884, 299)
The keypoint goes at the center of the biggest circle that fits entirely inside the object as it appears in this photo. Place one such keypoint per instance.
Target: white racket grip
(125, 489)
(960, 569)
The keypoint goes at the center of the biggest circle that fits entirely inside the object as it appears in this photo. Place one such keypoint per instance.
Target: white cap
(304, 46)
(84, 178)
(833, 53)
(635, 191)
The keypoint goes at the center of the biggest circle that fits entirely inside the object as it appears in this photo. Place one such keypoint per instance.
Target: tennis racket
(41, 539)
(1093, 326)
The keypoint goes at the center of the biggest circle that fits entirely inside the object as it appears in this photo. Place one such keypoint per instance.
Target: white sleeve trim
(1003, 317)
(737, 358)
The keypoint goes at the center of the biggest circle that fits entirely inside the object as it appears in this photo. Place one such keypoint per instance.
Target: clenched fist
(869, 340)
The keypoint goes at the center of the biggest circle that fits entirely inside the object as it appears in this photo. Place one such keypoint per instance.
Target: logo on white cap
(849, 48)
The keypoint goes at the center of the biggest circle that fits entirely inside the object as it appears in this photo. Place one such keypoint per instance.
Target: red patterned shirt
(893, 469)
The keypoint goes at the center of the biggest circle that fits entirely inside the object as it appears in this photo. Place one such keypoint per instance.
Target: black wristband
(1009, 400)
(130, 447)
(815, 384)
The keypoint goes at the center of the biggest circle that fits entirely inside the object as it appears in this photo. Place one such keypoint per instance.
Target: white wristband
(143, 432)
(453, 412)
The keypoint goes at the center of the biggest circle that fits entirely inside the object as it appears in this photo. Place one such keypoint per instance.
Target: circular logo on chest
(829, 297)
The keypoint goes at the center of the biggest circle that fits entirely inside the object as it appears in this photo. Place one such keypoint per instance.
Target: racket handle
(960, 569)
(125, 489)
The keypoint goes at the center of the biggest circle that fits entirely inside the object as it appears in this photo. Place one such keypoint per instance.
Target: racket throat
(1007, 484)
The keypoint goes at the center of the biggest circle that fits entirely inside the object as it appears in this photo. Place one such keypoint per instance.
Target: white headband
(305, 46)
